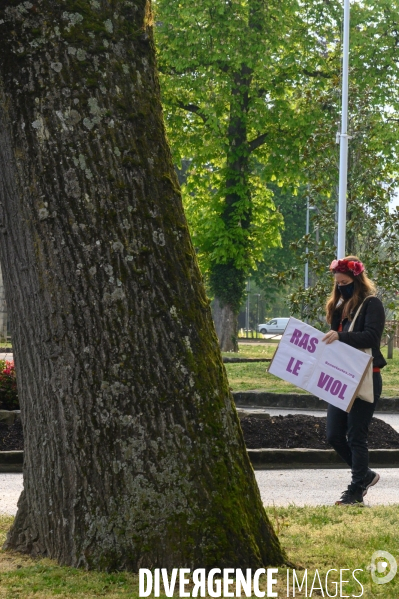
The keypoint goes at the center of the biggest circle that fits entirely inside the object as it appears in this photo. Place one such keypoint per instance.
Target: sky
(394, 202)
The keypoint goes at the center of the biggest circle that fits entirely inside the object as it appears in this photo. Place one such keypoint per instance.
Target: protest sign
(332, 372)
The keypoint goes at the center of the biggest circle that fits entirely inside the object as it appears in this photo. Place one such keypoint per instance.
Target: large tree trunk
(226, 326)
(133, 450)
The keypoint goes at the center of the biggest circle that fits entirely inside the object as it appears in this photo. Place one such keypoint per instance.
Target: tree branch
(194, 109)
(316, 74)
(169, 70)
(257, 142)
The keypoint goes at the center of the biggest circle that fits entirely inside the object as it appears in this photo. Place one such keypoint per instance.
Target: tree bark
(226, 325)
(134, 456)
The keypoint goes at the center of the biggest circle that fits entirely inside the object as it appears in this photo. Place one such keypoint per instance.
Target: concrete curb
(263, 459)
(276, 459)
(298, 401)
(11, 461)
(227, 360)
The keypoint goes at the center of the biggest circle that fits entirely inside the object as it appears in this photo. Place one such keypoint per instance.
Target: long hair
(363, 287)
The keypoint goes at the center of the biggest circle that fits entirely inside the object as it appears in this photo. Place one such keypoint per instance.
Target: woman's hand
(331, 336)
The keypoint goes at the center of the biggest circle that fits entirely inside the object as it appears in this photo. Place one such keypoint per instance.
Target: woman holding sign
(356, 317)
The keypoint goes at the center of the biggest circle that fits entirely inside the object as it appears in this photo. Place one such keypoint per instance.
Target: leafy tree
(134, 454)
(372, 231)
(230, 80)
(276, 292)
(271, 73)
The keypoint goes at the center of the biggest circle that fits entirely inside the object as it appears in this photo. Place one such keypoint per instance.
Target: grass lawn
(319, 538)
(243, 377)
(332, 537)
(24, 578)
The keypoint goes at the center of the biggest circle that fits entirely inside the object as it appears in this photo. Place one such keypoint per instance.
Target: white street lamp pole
(343, 155)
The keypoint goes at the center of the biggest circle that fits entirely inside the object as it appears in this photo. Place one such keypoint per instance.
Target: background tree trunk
(227, 281)
(225, 320)
(133, 450)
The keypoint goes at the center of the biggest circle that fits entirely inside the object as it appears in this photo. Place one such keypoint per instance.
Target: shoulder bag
(366, 389)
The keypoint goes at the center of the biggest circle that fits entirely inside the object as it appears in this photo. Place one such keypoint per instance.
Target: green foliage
(228, 77)
(251, 92)
(222, 239)
(372, 231)
(275, 289)
(227, 282)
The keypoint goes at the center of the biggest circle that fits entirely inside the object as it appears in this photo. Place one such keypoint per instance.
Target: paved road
(281, 487)
(321, 487)
(10, 490)
(278, 487)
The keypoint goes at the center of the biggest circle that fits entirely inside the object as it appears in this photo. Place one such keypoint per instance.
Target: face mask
(346, 290)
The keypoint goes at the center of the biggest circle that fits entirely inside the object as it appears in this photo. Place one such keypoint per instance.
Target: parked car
(274, 326)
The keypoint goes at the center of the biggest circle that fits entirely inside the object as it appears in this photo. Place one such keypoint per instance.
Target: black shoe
(370, 480)
(352, 496)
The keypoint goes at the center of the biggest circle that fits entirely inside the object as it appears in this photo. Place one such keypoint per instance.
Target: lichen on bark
(134, 454)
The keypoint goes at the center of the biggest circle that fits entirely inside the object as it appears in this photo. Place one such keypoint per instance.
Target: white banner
(332, 372)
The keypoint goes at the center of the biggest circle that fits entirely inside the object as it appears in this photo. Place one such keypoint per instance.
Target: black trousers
(348, 432)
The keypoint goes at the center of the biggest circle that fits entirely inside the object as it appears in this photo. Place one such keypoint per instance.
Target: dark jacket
(367, 331)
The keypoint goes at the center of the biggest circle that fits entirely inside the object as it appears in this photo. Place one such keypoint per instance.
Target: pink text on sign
(304, 340)
(294, 368)
(334, 386)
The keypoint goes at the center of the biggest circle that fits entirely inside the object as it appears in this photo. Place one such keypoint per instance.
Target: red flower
(345, 266)
(339, 266)
(333, 264)
(357, 268)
